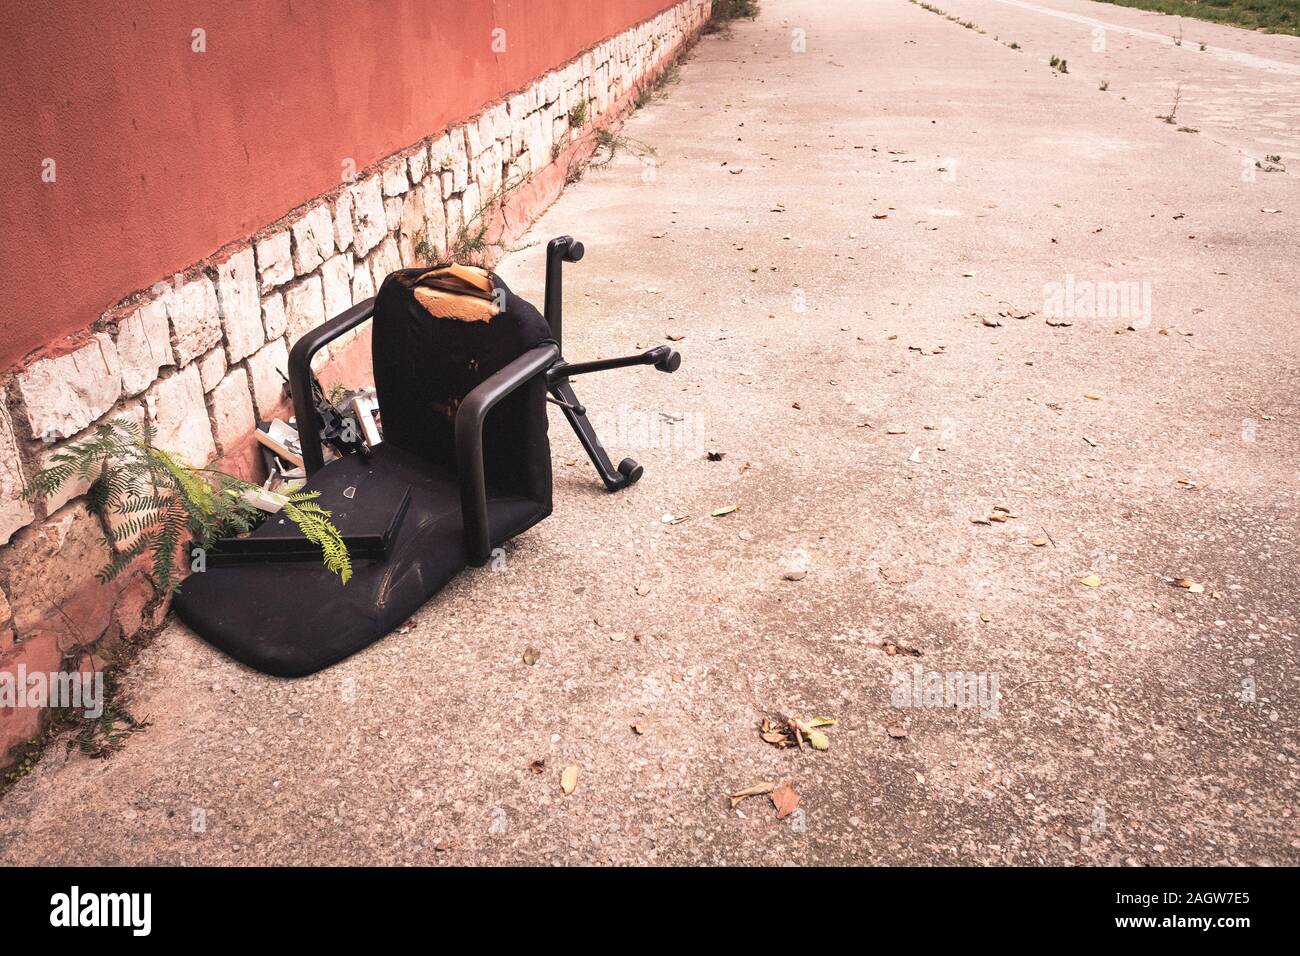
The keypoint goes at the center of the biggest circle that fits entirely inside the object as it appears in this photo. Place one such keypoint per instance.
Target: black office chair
(465, 463)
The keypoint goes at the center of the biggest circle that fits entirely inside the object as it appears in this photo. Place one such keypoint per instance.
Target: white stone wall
(201, 352)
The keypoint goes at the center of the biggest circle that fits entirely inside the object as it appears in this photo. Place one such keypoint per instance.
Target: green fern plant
(314, 523)
(152, 501)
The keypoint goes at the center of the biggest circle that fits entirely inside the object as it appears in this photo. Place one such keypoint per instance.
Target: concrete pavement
(850, 207)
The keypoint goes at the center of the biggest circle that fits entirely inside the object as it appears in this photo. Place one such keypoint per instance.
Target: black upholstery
(424, 368)
(295, 618)
(292, 619)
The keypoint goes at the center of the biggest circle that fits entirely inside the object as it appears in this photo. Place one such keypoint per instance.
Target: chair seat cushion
(295, 618)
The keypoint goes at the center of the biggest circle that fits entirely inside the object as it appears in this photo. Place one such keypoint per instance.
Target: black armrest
(469, 443)
(304, 411)
(559, 250)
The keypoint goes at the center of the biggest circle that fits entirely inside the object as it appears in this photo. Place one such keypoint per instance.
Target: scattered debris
(715, 455)
(569, 778)
(793, 732)
(538, 766)
(896, 731)
(893, 650)
(999, 515)
(531, 655)
(757, 790)
(1188, 584)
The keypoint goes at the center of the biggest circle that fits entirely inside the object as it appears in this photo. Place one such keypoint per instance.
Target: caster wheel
(671, 363)
(630, 470)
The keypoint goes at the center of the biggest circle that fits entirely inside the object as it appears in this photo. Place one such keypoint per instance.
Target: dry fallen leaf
(569, 778)
(618, 637)
(537, 766)
(1040, 542)
(724, 510)
(785, 800)
(1092, 581)
(1190, 585)
(531, 655)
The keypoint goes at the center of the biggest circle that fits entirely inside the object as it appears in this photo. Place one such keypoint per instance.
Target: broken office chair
(464, 466)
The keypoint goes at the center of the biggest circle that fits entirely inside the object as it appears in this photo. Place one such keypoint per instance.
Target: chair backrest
(431, 347)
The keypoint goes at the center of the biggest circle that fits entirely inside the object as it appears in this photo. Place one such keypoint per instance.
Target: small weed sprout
(1172, 116)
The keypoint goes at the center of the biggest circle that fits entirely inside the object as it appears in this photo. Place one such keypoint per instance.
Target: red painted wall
(164, 154)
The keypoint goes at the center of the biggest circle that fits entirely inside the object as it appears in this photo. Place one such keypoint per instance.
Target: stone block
(65, 394)
(274, 261)
(393, 175)
(211, 368)
(196, 319)
(368, 223)
(241, 309)
(313, 239)
(274, 321)
(232, 410)
(180, 416)
(304, 306)
(336, 284)
(264, 370)
(144, 346)
(15, 512)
